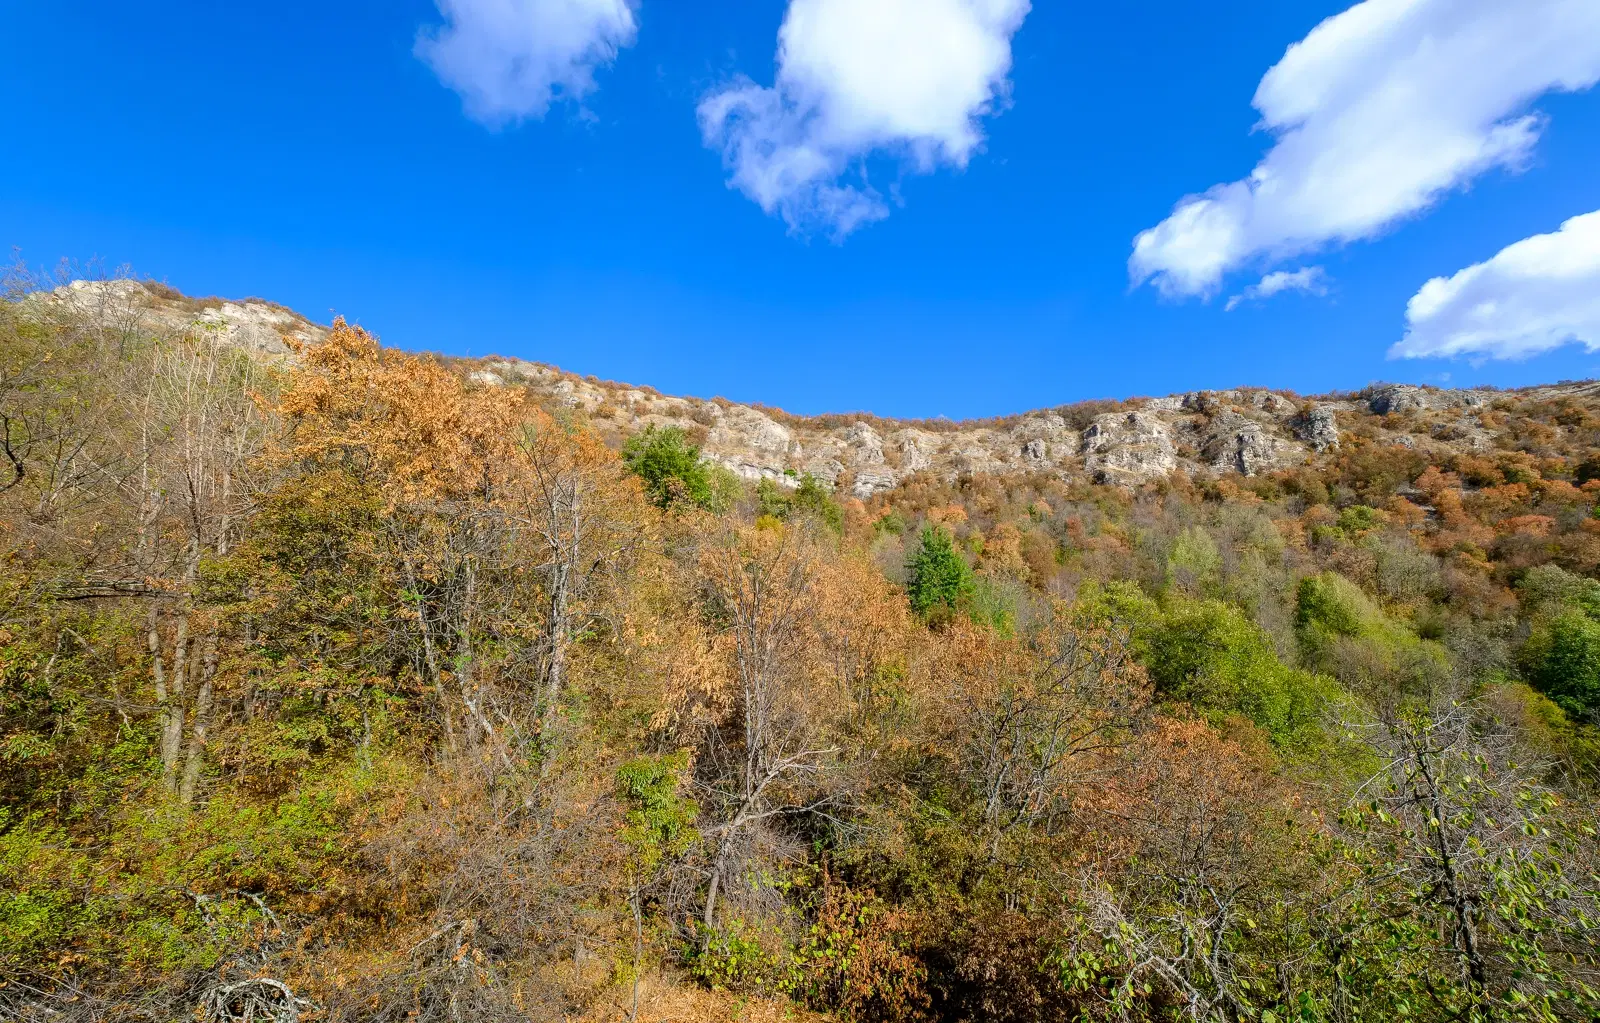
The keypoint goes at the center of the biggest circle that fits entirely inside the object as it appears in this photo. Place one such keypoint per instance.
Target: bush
(1358, 519)
(815, 499)
(1331, 604)
(811, 498)
(670, 467)
(1549, 590)
(1195, 564)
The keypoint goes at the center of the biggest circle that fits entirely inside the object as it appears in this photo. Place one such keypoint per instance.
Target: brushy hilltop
(343, 684)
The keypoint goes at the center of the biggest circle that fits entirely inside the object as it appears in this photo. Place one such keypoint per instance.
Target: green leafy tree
(1345, 634)
(938, 579)
(1212, 655)
(1562, 660)
(670, 467)
(770, 500)
(1457, 897)
(1195, 563)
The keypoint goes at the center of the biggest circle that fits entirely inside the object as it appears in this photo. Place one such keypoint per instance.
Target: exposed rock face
(1319, 428)
(1243, 431)
(1399, 398)
(1234, 443)
(1128, 447)
(916, 448)
(751, 429)
(255, 325)
(1044, 438)
(870, 482)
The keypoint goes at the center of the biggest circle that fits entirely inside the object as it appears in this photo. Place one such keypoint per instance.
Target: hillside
(1201, 434)
(339, 683)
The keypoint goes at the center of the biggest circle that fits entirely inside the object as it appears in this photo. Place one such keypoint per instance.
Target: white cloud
(1312, 280)
(911, 78)
(1535, 295)
(509, 59)
(1377, 113)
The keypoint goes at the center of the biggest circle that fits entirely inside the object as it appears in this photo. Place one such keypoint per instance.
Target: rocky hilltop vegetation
(1246, 431)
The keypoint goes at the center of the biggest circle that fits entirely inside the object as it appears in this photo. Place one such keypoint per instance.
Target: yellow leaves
(1002, 551)
(697, 685)
(409, 420)
(948, 515)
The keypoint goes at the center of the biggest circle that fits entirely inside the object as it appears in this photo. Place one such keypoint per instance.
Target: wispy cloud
(1377, 113)
(910, 78)
(510, 59)
(1535, 295)
(1312, 280)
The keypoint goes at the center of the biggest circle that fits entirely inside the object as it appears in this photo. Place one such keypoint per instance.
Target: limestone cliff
(1204, 433)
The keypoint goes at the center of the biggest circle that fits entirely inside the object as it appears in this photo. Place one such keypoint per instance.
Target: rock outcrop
(1401, 398)
(1128, 447)
(1318, 427)
(1234, 443)
(1203, 433)
(260, 327)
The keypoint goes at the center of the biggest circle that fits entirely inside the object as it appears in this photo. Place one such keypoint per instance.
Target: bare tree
(1030, 717)
(765, 762)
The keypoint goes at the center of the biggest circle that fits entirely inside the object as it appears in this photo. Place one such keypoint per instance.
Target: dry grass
(661, 1001)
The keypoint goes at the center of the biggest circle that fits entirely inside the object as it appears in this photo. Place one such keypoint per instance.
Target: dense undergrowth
(343, 690)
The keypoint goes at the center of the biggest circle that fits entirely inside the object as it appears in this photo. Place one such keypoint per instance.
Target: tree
(1212, 655)
(938, 579)
(579, 519)
(768, 753)
(671, 467)
(1563, 661)
(1463, 902)
(1028, 716)
(814, 498)
(1175, 918)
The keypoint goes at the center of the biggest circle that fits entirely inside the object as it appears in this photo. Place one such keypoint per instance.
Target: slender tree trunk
(173, 712)
(158, 668)
(567, 547)
(202, 721)
(638, 948)
(556, 663)
(711, 891)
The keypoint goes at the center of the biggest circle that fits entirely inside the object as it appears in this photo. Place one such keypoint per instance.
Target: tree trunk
(202, 722)
(173, 713)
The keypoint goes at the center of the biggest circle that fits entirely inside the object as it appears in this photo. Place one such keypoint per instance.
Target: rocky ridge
(1244, 431)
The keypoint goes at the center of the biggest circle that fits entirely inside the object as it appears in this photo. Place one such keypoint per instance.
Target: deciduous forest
(343, 688)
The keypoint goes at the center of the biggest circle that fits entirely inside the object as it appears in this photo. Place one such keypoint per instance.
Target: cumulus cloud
(1312, 280)
(1535, 295)
(509, 59)
(1376, 114)
(911, 78)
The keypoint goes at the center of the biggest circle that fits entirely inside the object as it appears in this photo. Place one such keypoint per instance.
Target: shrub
(1195, 564)
(1331, 604)
(670, 467)
(813, 498)
(1345, 634)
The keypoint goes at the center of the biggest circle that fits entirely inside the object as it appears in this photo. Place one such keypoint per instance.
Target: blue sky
(311, 154)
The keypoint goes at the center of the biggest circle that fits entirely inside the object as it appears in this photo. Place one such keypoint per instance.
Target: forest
(343, 688)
